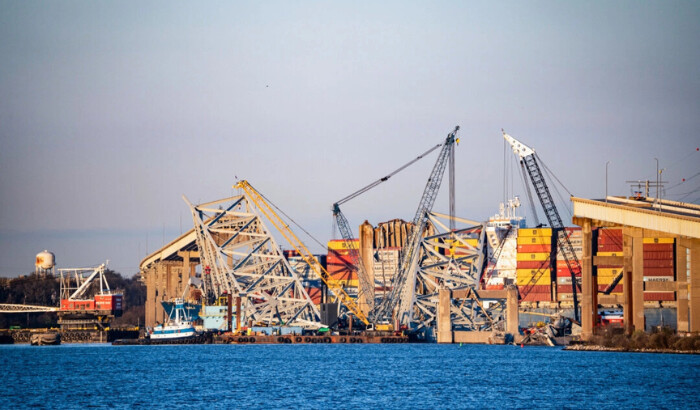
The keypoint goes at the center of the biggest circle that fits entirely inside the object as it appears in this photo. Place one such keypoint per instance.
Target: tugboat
(178, 327)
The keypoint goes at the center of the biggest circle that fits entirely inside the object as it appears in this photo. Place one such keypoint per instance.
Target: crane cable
(290, 219)
(383, 179)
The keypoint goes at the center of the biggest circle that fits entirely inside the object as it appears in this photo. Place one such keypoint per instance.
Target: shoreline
(596, 348)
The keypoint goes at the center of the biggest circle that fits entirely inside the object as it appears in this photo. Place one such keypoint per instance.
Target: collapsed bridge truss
(441, 268)
(241, 258)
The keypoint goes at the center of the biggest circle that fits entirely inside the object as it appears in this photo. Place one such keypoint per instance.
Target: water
(343, 376)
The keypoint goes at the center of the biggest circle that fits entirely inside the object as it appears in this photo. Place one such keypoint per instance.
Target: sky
(112, 111)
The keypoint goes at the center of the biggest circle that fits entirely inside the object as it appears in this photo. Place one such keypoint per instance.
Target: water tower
(45, 262)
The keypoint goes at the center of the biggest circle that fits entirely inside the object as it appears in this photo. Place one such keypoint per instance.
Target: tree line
(44, 290)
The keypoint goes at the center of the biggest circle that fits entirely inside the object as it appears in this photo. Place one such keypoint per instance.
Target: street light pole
(606, 181)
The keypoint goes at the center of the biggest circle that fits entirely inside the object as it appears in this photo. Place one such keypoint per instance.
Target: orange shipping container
(533, 264)
(534, 248)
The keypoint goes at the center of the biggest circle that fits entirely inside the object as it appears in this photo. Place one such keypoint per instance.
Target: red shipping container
(660, 296)
(536, 297)
(566, 273)
(563, 264)
(609, 247)
(314, 294)
(535, 289)
(658, 247)
(610, 232)
(564, 289)
(658, 263)
(656, 255)
(659, 272)
(534, 248)
(532, 264)
(617, 289)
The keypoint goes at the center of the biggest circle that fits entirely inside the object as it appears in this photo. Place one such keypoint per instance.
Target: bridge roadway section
(639, 218)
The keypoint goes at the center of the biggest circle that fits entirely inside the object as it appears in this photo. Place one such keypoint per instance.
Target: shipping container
(565, 297)
(534, 249)
(651, 263)
(561, 263)
(658, 247)
(566, 280)
(314, 294)
(616, 290)
(340, 244)
(658, 240)
(660, 296)
(658, 279)
(534, 240)
(533, 264)
(617, 253)
(535, 288)
(611, 272)
(542, 232)
(537, 297)
(533, 256)
(659, 272)
(609, 248)
(566, 273)
(658, 255)
(543, 279)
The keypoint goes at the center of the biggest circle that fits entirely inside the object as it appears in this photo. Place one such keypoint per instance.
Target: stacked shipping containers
(563, 271)
(386, 265)
(533, 274)
(610, 244)
(659, 266)
(340, 263)
(309, 279)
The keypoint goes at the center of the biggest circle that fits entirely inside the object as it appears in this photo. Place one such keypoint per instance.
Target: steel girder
(241, 258)
(459, 270)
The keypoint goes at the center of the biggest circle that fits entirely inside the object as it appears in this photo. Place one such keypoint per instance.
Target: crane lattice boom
(528, 160)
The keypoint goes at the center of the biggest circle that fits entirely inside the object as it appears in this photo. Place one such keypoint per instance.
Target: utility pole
(606, 181)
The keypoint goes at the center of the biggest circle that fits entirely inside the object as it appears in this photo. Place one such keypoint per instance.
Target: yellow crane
(305, 253)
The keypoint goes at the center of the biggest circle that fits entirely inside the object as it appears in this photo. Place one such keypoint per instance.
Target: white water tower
(45, 262)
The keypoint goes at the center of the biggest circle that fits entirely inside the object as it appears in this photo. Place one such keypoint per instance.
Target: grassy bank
(660, 339)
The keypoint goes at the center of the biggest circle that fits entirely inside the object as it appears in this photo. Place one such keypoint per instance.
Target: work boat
(178, 326)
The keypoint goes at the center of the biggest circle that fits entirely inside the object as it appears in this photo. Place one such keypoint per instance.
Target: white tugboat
(179, 325)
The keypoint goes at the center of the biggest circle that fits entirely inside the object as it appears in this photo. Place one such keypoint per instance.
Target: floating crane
(346, 232)
(403, 293)
(529, 163)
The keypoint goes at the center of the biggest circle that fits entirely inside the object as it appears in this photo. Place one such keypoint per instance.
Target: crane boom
(305, 253)
(346, 230)
(528, 160)
(403, 291)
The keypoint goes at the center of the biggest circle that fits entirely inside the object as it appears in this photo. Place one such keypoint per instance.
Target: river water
(343, 376)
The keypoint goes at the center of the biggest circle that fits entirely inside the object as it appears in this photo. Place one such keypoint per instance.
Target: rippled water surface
(343, 376)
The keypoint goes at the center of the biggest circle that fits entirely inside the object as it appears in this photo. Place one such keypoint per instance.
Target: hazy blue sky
(111, 111)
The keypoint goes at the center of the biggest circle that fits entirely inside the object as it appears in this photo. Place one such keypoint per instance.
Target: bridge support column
(512, 312)
(638, 319)
(695, 286)
(588, 310)
(682, 252)
(444, 321)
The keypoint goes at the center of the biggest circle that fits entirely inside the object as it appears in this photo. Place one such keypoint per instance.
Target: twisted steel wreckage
(241, 260)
